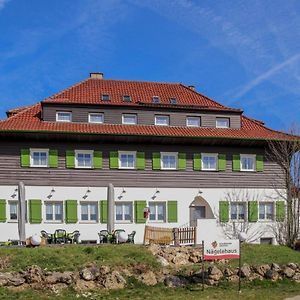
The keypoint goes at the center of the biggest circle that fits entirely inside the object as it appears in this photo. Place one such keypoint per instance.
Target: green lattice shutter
(252, 211)
(181, 161)
(53, 158)
(280, 211)
(2, 210)
(103, 211)
(97, 160)
(35, 211)
(25, 158)
(71, 211)
(113, 160)
(222, 162)
(197, 162)
(70, 159)
(156, 161)
(259, 163)
(172, 211)
(139, 211)
(236, 162)
(224, 211)
(140, 160)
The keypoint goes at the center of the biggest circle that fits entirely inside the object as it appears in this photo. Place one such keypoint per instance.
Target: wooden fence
(185, 235)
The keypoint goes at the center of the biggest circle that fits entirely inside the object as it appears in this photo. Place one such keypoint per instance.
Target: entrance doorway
(200, 209)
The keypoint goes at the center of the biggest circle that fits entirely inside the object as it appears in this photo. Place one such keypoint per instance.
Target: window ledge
(88, 222)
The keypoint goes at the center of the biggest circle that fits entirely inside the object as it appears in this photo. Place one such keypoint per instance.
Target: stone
(114, 281)
(293, 266)
(103, 270)
(288, 272)
(154, 249)
(3, 279)
(59, 277)
(233, 278)
(296, 277)
(245, 271)
(13, 279)
(228, 272)
(276, 267)
(180, 259)
(163, 261)
(148, 278)
(34, 274)
(87, 274)
(214, 273)
(83, 285)
(255, 276)
(262, 269)
(272, 275)
(174, 281)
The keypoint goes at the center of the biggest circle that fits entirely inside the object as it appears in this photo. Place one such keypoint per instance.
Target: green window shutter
(252, 211)
(2, 210)
(53, 158)
(35, 211)
(222, 162)
(181, 161)
(25, 158)
(140, 160)
(280, 211)
(224, 211)
(113, 160)
(97, 160)
(139, 211)
(197, 162)
(71, 211)
(172, 211)
(156, 161)
(236, 162)
(259, 163)
(70, 159)
(103, 211)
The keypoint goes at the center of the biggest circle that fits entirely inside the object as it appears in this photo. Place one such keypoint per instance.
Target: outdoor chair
(73, 237)
(103, 236)
(60, 236)
(114, 239)
(131, 237)
(47, 236)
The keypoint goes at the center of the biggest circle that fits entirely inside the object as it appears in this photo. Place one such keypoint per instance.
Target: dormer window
(126, 98)
(105, 97)
(222, 123)
(96, 118)
(63, 116)
(173, 100)
(155, 99)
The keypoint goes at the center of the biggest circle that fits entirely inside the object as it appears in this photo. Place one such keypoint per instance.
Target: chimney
(192, 87)
(96, 75)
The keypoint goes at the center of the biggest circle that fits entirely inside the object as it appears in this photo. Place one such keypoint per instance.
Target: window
(173, 100)
(155, 99)
(105, 97)
(237, 210)
(84, 158)
(39, 157)
(266, 241)
(266, 211)
(130, 119)
(162, 120)
(96, 118)
(127, 160)
(124, 212)
(54, 211)
(89, 212)
(126, 98)
(193, 121)
(222, 122)
(157, 211)
(168, 161)
(64, 116)
(247, 162)
(209, 161)
(13, 210)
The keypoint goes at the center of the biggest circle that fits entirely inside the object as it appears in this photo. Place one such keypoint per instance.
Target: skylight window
(173, 100)
(155, 99)
(105, 97)
(126, 98)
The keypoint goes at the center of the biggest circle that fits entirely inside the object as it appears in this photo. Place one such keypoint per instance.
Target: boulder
(296, 277)
(276, 267)
(154, 249)
(34, 274)
(11, 279)
(233, 278)
(114, 281)
(181, 259)
(148, 278)
(262, 269)
(162, 261)
(174, 281)
(272, 275)
(245, 271)
(59, 277)
(88, 274)
(293, 266)
(288, 272)
(228, 272)
(103, 270)
(83, 285)
(3, 279)
(214, 273)
(255, 276)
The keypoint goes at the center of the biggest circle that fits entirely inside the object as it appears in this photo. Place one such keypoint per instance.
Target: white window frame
(175, 154)
(253, 156)
(222, 118)
(126, 153)
(103, 96)
(214, 155)
(10, 202)
(126, 98)
(91, 152)
(155, 99)
(245, 211)
(156, 212)
(89, 203)
(160, 116)
(273, 211)
(123, 203)
(32, 150)
(193, 117)
(93, 114)
(129, 115)
(52, 203)
(64, 112)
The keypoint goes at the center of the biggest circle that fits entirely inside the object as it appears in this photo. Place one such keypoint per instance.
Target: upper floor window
(162, 120)
(247, 162)
(168, 160)
(266, 210)
(209, 161)
(238, 210)
(54, 211)
(157, 211)
(126, 98)
(127, 160)
(173, 100)
(124, 212)
(105, 97)
(89, 211)
(84, 158)
(13, 210)
(129, 119)
(222, 122)
(193, 121)
(63, 116)
(39, 157)
(155, 99)
(96, 118)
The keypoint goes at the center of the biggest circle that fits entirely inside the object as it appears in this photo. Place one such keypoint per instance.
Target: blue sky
(243, 54)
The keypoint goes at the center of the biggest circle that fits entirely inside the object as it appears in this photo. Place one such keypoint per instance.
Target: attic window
(126, 98)
(155, 99)
(173, 100)
(105, 97)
